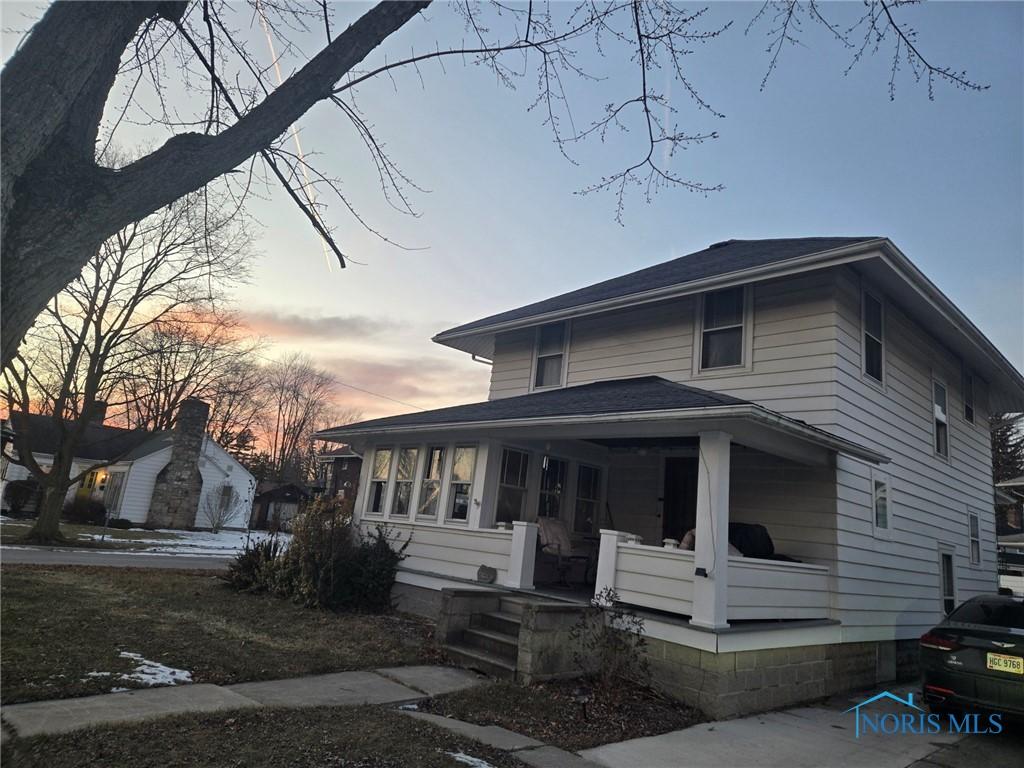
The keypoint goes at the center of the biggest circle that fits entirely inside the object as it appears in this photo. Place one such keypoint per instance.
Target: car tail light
(939, 642)
(935, 690)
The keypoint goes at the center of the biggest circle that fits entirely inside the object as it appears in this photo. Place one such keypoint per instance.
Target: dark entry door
(679, 504)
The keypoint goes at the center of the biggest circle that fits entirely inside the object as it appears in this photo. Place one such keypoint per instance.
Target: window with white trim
(940, 410)
(947, 580)
(379, 481)
(430, 489)
(969, 398)
(721, 343)
(460, 483)
(874, 337)
(552, 486)
(974, 537)
(515, 466)
(404, 475)
(881, 503)
(588, 499)
(549, 353)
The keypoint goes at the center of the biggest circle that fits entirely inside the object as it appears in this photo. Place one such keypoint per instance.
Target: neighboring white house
(126, 485)
(821, 388)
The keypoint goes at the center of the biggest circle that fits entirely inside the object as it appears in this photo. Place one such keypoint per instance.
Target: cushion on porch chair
(554, 537)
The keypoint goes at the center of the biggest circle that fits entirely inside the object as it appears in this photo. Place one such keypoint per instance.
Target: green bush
(85, 511)
(253, 568)
(327, 564)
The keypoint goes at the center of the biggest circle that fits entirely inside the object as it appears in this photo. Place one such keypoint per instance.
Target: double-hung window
(550, 363)
(461, 483)
(873, 338)
(968, 398)
(512, 485)
(722, 329)
(552, 486)
(379, 480)
(940, 410)
(947, 579)
(588, 499)
(430, 490)
(974, 537)
(404, 474)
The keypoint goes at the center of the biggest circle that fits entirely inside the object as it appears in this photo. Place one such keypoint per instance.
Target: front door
(679, 504)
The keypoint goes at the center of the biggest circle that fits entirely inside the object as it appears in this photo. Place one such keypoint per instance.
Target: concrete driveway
(809, 737)
(106, 557)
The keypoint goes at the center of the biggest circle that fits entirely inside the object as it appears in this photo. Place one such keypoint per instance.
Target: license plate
(1003, 663)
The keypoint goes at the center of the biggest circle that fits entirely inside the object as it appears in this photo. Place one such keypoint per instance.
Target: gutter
(747, 411)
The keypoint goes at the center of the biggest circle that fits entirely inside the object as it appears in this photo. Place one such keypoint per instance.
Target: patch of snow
(153, 672)
(119, 690)
(409, 707)
(474, 762)
(202, 543)
(98, 674)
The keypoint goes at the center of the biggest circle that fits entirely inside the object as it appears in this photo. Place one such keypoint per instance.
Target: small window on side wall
(881, 503)
(873, 338)
(947, 580)
(974, 537)
(550, 363)
(722, 329)
(968, 398)
(940, 410)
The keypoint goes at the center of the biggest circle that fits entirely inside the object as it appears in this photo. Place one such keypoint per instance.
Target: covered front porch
(636, 500)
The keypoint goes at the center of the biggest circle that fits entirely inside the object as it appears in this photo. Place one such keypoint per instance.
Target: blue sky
(815, 153)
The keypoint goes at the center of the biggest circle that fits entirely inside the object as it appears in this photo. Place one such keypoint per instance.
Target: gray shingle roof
(718, 259)
(99, 443)
(649, 393)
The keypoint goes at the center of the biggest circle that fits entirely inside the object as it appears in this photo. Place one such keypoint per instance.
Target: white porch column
(523, 555)
(607, 556)
(711, 555)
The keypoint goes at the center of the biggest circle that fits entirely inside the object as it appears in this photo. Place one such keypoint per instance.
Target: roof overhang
(879, 259)
(749, 424)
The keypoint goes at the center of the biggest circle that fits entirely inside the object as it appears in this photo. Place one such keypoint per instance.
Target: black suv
(974, 659)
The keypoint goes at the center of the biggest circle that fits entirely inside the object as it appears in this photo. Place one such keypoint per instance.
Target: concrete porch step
(498, 621)
(512, 605)
(488, 640)
(482, 661)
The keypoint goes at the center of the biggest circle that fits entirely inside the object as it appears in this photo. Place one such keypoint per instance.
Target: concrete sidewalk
(394, 685)
(807, 737)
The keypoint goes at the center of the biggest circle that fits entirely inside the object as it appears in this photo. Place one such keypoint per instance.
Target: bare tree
(222, 508)
(59, 203)
(300, 395)
(83, 346)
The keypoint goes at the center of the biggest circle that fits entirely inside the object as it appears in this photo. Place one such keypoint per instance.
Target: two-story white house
(820, 390)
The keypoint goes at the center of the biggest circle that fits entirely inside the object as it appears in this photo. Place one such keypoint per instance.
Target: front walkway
(394, 685)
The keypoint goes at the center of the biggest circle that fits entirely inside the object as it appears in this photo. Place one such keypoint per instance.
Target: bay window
(403, 481)
(461, 482)
(379, 480)
(430, 489)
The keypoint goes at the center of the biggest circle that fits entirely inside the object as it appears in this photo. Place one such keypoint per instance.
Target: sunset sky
(500, 223)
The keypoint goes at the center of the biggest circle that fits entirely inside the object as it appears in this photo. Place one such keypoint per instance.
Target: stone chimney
(175, 500)
(99, 412)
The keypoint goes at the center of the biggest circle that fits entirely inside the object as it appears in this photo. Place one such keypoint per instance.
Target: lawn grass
(12, 532)
(319, 737)
(62, 622)
(550, 712)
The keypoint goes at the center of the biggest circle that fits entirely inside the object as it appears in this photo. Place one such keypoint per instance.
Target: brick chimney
(175, 498)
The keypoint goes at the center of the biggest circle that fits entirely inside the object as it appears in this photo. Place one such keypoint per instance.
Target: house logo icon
(878, 723)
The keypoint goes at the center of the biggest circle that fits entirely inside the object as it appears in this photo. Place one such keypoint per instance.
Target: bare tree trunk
(46, 529)
(58, 205)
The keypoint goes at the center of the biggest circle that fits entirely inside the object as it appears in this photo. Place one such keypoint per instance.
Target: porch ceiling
(649, 408)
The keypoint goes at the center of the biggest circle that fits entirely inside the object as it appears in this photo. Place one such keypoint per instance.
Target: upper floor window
(941, 418)
(463, 463)
(969, 398)
(722, 329)
(550, 353)
(379, 480)
(512, 485)
(873, 337)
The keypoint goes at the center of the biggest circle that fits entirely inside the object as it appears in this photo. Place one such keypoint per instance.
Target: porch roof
(645, 399)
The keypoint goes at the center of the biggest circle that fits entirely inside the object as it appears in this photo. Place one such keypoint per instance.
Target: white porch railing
(459, 552)
(773, 589)
(663, 579)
